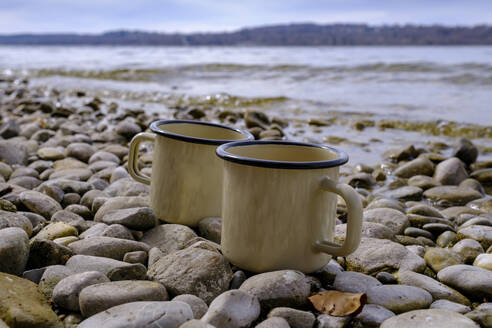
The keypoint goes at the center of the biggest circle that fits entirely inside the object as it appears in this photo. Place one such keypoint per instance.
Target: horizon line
(235, 30)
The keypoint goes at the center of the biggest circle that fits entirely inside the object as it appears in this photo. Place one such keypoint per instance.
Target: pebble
(141, 314)
(484, 261)
(435, 318)
(369, 229)
(274, 322)
(23, 305)
(39, 203)
(469, 249)
(168, 237)
(386, 203)
(197, 305)
(376, 255)
(57, 230)
(13, 152)
(450, 172)
(328, 273)
(234, 309)
(50, 153)
(237, 279)
(452, 306)
(80, 151)
(480, 233)
(210, 228)
(391, 218)
(373, 315)
(15, 220)
(114, 248)
(354, 282)
(295, 318)
(424, 210)
(472, 281)
(422, 181)
(466, 151)
(44, 252)
(136, 257)
(328, 321)
(440, 258)
(438, 290)
(418, 166)
(195, 324)
(386, 278)
(284, 288)
(416, 232)
(399, 298)
(121, 202)
(196, 271)
(451, 195)
(138, 218)
(117, 231)
(14, 250)
(104, 295)
(482, 315)
(113, 269)
(66, 292)
(446, 239)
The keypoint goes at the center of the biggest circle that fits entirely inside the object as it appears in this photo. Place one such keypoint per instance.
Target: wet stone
(418, 166)
(451, 195)
(408, 193)
(450, 172)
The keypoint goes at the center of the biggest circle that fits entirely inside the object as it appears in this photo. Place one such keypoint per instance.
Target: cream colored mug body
(186, 182)
(279, 205)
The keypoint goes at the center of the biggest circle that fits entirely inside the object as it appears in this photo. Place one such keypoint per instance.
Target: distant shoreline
(276, 35)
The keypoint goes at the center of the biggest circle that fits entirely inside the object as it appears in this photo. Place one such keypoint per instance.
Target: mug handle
(354, 219)
(133, 157)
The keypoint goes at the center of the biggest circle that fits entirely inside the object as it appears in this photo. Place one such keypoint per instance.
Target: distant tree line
(277, 35)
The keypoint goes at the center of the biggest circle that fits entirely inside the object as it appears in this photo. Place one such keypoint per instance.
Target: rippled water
(414, 91)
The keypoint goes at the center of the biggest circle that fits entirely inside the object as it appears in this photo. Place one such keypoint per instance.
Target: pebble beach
(80, 246)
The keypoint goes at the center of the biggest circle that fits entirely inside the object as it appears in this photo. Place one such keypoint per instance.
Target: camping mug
(279, 205)
(186, 183)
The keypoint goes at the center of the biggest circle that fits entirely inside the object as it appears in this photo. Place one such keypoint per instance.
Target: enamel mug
(279, 205)
(186, 182)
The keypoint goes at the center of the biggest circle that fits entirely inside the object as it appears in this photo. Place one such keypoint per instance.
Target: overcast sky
(41, 16)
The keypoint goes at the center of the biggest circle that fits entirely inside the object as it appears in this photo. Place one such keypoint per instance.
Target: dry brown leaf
(338, 304)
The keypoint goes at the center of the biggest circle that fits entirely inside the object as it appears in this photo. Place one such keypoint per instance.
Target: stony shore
(79, 246)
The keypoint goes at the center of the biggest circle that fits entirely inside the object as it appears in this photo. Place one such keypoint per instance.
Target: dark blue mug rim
(224, 154)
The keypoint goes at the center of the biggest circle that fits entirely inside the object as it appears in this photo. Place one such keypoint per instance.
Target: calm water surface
(398, 84)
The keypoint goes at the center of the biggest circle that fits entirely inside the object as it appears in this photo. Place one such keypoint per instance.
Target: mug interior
(200, 132)
(282, 154)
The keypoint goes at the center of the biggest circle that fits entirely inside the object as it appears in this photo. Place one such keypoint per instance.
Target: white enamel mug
(186, 182)
(279, 205)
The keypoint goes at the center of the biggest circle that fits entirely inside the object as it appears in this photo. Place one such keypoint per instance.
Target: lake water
(420, 93)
